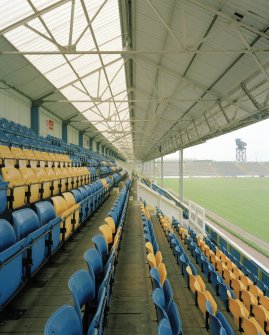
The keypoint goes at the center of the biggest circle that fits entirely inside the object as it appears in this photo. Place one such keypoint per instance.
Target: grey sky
(223, 147)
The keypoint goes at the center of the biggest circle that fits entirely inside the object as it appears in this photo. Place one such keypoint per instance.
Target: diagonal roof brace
(251, 97)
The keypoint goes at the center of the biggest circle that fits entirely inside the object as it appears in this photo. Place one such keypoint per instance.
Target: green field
(242, 201)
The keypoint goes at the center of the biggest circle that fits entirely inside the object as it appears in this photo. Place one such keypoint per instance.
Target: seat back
(158, 258)
(11, 262)
(45, 212)
(174, 318)
(158, 299)
(83, 290)
(69, 198)
(162, 272)
(14, 179)
(155, 276)
(7, 233)
(59, 205)
(64, 321)
(109, 220)
(25, 221)
(168, 292)
(101, 245)
(107, 233)
(151, 259)
(94, 263)
(164, 327)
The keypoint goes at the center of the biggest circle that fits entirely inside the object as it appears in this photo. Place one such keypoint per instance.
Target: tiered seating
(29, 185)
(167, 311)
(91, 289)
(38, 232)
(215, 320)
(249, 305)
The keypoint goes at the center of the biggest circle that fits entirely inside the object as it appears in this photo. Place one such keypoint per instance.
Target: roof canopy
(147, 76)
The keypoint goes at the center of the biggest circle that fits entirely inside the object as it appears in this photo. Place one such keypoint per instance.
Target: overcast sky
(223, 147)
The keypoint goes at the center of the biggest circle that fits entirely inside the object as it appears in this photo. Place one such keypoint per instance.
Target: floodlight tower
(241, 151)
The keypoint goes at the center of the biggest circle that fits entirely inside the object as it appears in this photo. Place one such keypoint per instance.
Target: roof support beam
(32, 16)
(251, 98)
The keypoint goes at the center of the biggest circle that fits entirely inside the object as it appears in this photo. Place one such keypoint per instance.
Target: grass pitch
(242, 201)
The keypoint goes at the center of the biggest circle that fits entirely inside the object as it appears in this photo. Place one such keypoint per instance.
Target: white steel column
(162, 171)
(180, 176)
(154, 170)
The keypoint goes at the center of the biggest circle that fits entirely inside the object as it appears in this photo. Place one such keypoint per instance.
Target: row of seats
(15, 135)
(168, 316)
(29, 185)
(240, 266)
(215, 320)
(37, 233)
(226, 289)
(18, 157)
(91, 289)
(249, 306)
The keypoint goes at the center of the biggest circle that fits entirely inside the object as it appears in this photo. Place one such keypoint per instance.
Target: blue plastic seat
(155, 276)
(225, 323)
(46, 215)
(214, 325)
(168, 292)
(11, 254)
(95, 265)
(164, 327)
(27, 226)
(174, 318)
(159, 302)
(64, 321)
(101, 246)
(83, 292)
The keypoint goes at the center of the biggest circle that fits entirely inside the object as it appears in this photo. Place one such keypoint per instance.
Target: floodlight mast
(241, 151)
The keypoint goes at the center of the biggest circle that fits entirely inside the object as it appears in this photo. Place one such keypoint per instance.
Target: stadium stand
(210, 168)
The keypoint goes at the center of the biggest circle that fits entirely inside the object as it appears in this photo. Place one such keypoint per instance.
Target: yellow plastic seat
(193, 283)
(45, 181)
(238, 310)
(16, 187)
(72, 207)
(246, 281)
(262, 316)
(40, 159)
(149, 247)
(61, 209)
(159, 258)
(7, 158)
(162, 271)
(33, 183)
(228, 276)
(251, 327)
(264, 301)
(20, 157)
(46, 158)
(107, 233)
(238, 273)
(248, 300)
(55, 182)
(256, 291)
(29, 154)
(62, 179)
(202, 298)
(54, 161)
(109, 220)
(68, 178)
(151, 260)
(238, 287)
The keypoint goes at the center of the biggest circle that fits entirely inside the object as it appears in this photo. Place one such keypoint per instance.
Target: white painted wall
(14, 106)
(45, 116)
(86, 142)
(72, 135)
